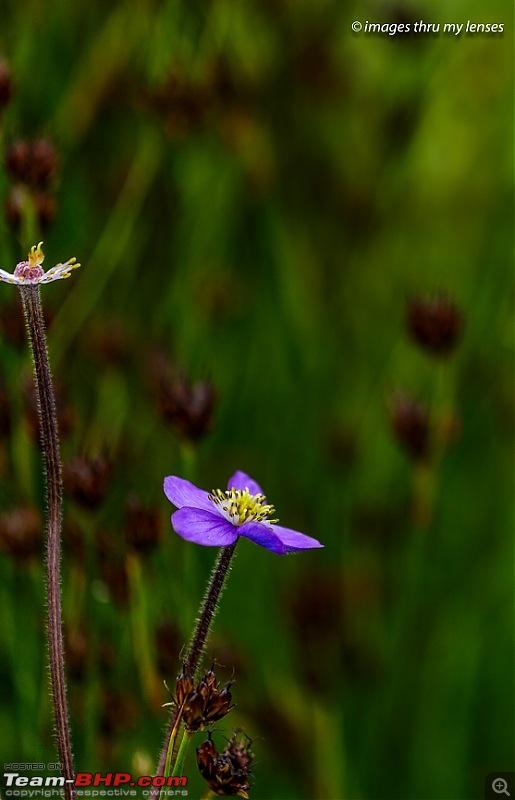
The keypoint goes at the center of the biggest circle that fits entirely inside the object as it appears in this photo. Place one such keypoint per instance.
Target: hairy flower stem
(197, 644)
(208, 608)
(31, 300)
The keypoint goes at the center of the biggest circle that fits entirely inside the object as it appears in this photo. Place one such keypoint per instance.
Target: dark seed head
(435, 324)
(17, 160)
(32, 163)
(187, 406)
(410, 425)
(204, 704)
(184, 688)
(143, 526)
(226, 773)
(87, 479)
(44, 163)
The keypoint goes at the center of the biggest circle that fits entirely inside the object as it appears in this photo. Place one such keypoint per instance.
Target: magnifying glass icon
(500, 786)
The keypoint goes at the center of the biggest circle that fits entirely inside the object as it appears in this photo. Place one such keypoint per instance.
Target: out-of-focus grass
(255, 192)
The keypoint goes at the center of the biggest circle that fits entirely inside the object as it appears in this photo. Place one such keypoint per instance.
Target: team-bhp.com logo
(93, 784)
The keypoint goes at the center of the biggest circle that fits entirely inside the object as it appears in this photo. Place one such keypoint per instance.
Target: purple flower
(31, 272)
(218, 518)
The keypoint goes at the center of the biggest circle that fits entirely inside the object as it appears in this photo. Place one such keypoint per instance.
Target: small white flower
(31, 271)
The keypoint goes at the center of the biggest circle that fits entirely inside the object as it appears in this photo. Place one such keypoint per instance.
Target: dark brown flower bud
(410, 425)
(180, 102)
(184, 687)
(239, 753)
(43, 163)
(21, 533)
(143, 526)
(435, 324)
(6, 86)
(114, 575)
(204, 704)
(187, 406)
(32, 163)
(18, 159)
(207, 755)
(205, 707)
(226, 773)
(87, 479)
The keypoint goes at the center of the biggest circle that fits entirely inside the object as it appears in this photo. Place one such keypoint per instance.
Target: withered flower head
(204, 704)
(34, 163)
(17, 159)
(240, 753)
(435, 324)
(187, 406)
(143, 526)
(227, 773)
(44, 162)
(86, 479)
(410, 426)
(184, 687)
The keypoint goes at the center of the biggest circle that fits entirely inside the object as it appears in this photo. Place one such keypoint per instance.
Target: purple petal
(183, 493)
(264, 535)
(240, 480)
(293, 541)
(204, 527)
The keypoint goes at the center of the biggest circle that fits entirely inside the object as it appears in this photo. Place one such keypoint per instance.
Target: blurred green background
(256, 194)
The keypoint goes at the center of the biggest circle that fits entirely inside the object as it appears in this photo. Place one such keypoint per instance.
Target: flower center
(239, 506)
(31, 270)
(28, 272)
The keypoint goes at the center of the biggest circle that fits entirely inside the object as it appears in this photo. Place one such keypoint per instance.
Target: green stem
(178, 767)
(140, 631)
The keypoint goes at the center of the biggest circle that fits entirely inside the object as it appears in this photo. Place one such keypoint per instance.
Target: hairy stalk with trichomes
(31, 300)
(28, 275)
(172, 743)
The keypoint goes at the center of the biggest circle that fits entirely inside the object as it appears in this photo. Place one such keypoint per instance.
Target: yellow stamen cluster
(239, 506)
